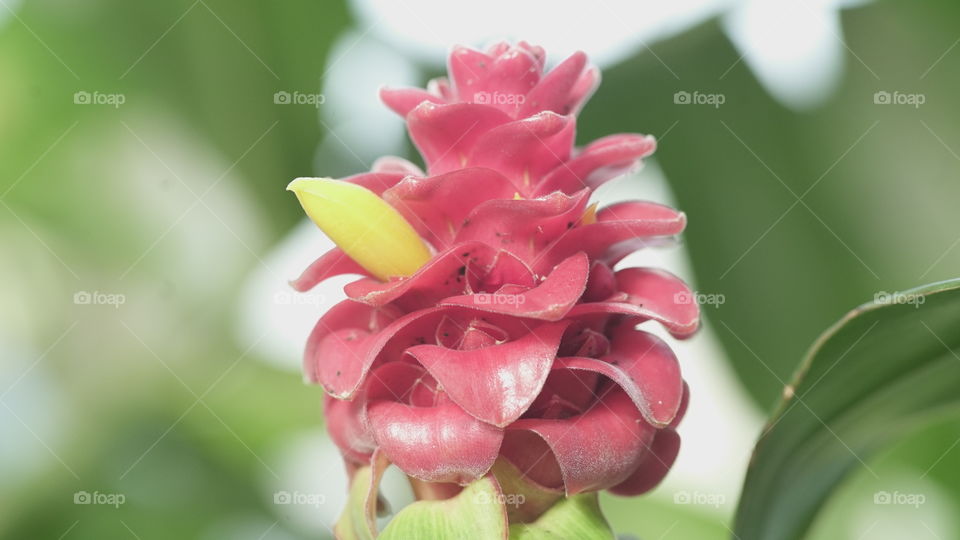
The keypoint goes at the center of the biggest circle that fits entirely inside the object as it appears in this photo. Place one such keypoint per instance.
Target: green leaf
(353, 524)
(883, 370)
(477, 512)
(524, 500)
(574, 517)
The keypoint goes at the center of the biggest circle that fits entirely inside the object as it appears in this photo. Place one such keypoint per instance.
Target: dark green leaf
(885, 369)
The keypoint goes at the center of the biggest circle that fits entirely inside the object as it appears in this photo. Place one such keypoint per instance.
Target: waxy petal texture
(332, 263)
(491, 320)
(435, 444)
(596, 450)
(495, 384)
(551, 300)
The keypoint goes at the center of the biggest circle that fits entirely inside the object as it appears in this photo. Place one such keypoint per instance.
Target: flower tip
(301, 185)
(364, 226)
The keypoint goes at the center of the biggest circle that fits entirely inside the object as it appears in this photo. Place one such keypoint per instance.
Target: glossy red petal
(513, 74)
(566, 393)
(377, 182)
(651, 294)
(445, 134)
(595, 450)
(468, 71)
(598, 162)
(464, 267)
(664, 293)
(505, 271)
(601, 284)
(524, 150)
(684, 403)
(500, 78)
(402, 382)
(338, 341)
(495, 384)
(585, 86)
(435, 444)
(332, 263)
(550, 300)
(646, 369)
(339, 354)
(654, 468)
(396, 165)
(526, 226)
(345, 422)
(442, 276)
(609, 239)
(441, 87)
(404, 100)
(555, 92)
(437, 205)
(668, 218)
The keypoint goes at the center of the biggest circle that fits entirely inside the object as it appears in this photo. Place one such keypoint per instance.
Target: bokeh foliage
(96, 214)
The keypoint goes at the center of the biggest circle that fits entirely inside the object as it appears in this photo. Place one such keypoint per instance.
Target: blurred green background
(171, 200)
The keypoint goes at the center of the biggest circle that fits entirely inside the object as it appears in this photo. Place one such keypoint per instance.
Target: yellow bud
(590, 215)
(364, 226)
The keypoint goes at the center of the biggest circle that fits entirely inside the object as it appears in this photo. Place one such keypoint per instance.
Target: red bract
(517, 340)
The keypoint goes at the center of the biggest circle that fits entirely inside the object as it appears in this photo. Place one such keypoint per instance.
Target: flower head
(490, 325)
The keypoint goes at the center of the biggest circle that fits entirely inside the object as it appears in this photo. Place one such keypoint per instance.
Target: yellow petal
(365, 227)
(590, 215)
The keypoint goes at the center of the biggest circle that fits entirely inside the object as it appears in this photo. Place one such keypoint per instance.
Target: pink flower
(516, 339)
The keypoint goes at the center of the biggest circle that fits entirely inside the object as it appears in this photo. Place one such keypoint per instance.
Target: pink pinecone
(517, 339)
